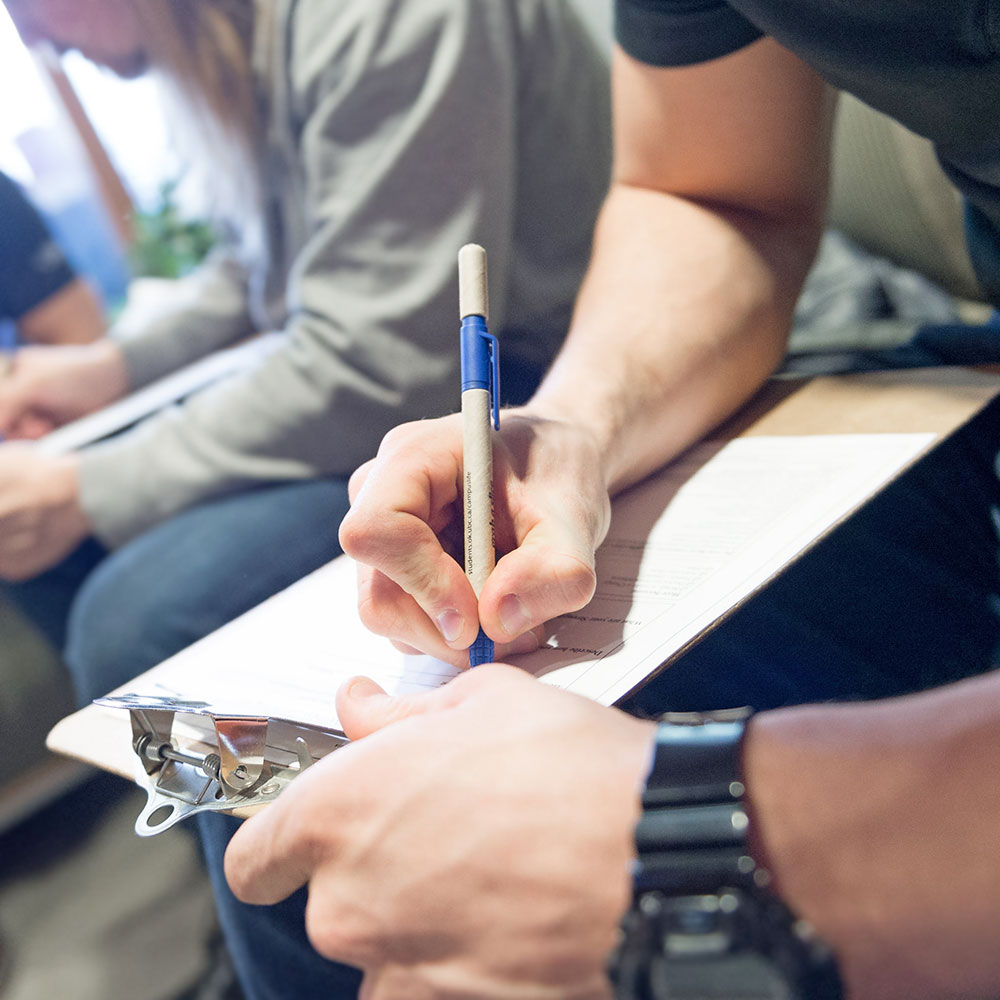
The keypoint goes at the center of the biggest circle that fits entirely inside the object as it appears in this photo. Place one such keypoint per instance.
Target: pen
(480, 395)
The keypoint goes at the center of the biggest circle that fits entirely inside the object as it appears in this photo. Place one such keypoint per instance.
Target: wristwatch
(703, 924)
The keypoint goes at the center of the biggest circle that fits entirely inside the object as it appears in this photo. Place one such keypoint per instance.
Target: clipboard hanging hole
(160, 816)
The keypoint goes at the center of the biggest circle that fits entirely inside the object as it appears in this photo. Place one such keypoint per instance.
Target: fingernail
(525, 643)
(363, 687)
(513, 616)
(450, 624)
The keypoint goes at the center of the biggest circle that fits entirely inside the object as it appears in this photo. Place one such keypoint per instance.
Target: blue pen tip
(481, 651)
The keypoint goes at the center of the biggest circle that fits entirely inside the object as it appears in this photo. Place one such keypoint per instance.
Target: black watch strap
(692, 832)
(703, 923)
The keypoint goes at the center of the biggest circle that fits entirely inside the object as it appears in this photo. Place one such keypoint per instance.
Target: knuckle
(358, 478)
(397, 440)
(337, 927)
(355, 533)
(374, 617)
(574, 581)
(378, 606)
(327, 933)
(377, 537)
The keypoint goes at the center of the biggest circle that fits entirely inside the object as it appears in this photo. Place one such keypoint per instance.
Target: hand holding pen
(549, 512)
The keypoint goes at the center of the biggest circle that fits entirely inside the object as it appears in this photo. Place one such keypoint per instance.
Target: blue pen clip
(481, 361)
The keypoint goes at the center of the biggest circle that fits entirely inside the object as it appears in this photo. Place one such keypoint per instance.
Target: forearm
(311, 408)
(71, 316)
(879, 822)
(663, 346)
(201, 313)
(684, 313)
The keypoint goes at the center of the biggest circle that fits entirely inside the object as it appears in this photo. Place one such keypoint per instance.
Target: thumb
(364, 708)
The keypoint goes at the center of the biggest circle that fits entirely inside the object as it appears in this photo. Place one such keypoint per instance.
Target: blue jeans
(119, 614)
(901, 597)
(116, 615)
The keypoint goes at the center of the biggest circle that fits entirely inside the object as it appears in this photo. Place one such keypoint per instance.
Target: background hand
(45, 387)
(453, 851)
(551, 511)
(41, 520)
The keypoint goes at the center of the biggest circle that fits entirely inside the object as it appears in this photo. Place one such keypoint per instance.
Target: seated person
(39, 290)
(477, 840)
(353, 147)
(350, 148)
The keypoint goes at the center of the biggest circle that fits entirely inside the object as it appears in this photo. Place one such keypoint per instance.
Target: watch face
(707, 950)
(718, 977)
(731, 945)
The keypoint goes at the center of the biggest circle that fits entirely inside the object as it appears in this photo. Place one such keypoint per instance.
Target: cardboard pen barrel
(477, 452)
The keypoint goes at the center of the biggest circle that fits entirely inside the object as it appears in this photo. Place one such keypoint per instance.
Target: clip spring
(249, 762)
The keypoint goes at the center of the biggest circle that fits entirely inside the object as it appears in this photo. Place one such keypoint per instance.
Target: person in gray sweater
(351, 148)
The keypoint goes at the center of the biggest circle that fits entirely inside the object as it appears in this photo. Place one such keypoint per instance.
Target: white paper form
(286, 658)
(708, 532)
(684, 548)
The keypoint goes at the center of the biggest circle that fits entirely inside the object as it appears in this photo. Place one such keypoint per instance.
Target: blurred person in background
(40, 293)
(350, 148)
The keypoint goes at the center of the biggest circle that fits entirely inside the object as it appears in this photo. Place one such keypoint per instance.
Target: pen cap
(473, 296)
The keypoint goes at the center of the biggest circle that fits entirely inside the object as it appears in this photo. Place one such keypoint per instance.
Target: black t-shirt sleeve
(32, 267)
(680, 32)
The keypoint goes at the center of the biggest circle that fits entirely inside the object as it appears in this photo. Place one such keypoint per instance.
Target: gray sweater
(395, 132)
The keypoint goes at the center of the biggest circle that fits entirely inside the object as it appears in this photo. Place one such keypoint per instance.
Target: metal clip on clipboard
(192, 757)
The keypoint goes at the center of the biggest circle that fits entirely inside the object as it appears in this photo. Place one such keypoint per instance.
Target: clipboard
(195, 756)
(240, 743)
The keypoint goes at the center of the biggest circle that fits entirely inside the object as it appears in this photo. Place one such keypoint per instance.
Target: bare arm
(880, 823)
(72, 316)
(709, 228)
(712, 220)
